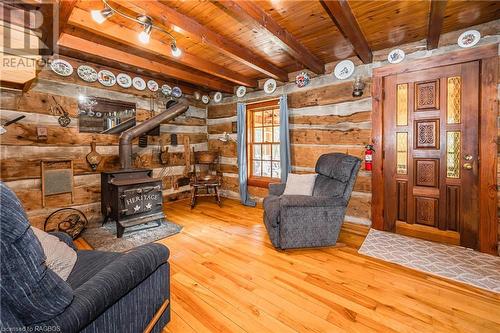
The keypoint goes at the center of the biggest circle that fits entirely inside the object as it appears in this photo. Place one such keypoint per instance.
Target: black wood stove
(132, 196)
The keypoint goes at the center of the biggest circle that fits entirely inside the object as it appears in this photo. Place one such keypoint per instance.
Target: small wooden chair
(206, 177)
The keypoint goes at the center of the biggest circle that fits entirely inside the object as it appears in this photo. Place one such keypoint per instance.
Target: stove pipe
(127, 136)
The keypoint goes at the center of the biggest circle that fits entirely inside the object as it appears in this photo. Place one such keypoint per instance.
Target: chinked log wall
(324, 118)
(21, 152)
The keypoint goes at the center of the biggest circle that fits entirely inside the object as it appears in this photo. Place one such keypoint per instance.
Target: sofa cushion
(88, 263)
(33, 292)
(300, 184)
(60, 257)
(336, 165)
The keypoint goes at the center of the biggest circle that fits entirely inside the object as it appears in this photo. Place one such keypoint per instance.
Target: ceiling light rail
(101, 15)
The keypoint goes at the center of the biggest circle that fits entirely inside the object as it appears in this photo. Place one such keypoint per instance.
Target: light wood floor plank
(227, 277)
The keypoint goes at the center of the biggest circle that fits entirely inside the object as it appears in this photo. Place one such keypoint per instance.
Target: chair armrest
(64, 237)
(310, 201)
(277, 189)
(112, 283)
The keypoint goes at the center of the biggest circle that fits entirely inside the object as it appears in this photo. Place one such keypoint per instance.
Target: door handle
(467, 166)
(468, 157)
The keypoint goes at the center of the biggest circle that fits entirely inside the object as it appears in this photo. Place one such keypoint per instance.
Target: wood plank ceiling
(227, 43)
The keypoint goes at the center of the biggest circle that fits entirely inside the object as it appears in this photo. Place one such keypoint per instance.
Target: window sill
(262, 182)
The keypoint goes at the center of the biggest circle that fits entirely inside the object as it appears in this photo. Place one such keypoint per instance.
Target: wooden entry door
(430, 134)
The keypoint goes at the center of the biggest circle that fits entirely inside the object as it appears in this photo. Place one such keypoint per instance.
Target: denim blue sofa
(105, 292)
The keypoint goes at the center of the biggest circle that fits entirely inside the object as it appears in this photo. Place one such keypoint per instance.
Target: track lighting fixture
(176, 52)
(145, 34)
(147, 24)
(101, 15)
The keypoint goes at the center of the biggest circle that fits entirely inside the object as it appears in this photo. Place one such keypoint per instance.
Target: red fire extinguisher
(369, 157)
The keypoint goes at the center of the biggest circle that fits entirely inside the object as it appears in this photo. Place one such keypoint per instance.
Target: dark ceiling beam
(109, 29)
(172, 19)
(436, 18)
(248, 10)
(341, 14)
(112, 54)
(65, 9)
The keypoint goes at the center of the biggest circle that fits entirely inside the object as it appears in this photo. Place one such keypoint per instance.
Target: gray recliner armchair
(297, 221)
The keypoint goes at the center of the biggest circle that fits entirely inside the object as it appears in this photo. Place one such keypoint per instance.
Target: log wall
(322, 120)
(21, 152)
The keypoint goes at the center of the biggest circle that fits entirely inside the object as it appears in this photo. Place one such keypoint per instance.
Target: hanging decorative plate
(124, 80)
(269, 86)
(106, 78)
(302, 79)
(176, 92)
(344, 69)
(61, 67)
(218, 97)
(469, 38)
(139, 83)
(396, 56)
(205, 99)
(241, 91)
(166, 90)
(87, 73)
(98, 114)
(152, 85)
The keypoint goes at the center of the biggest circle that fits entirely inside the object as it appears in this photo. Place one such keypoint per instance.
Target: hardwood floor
(227, 277)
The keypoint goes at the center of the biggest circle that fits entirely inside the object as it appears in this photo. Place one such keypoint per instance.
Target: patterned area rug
(453, 262)
(103, 238)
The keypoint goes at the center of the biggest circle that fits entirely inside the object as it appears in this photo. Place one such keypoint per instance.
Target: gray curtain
(242, 155)
(285, 157)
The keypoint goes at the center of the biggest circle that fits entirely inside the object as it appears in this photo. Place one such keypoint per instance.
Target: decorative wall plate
(469, 38)
(241, 91)
(176, 92)
(124, 80)
(302, 79)
(106, 78)
(61, 67)
(139, 83)
(270, 86)
(344, 69)
(153, 85)
(205, 99)
(87, 73)
(396, 56)
(166, 90)
(218, 97)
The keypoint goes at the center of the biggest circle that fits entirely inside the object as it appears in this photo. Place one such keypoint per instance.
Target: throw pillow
(302, 184)
(60, 257)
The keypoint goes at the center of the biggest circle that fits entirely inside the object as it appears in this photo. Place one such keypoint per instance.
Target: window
(263, 143)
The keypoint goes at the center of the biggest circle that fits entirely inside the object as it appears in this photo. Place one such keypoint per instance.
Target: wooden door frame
(488, 112)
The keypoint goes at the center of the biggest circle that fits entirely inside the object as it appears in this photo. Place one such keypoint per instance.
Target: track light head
(147, 23)
(101, 15)
(176, 52)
